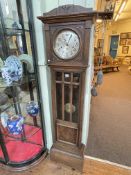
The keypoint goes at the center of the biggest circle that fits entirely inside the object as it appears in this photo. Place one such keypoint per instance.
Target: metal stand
(3, 147)
(32, 96)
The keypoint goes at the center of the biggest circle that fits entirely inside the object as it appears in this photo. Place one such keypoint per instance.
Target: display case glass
(22, 138)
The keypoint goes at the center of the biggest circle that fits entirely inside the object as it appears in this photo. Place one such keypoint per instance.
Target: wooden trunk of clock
(67, 103)
(67, 95)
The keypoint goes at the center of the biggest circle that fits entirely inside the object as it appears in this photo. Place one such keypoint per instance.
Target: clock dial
(66, 44)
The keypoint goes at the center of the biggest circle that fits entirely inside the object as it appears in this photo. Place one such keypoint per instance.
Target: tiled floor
(46, 167)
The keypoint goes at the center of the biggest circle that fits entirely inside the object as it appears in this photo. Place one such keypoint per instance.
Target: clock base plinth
(68, 154)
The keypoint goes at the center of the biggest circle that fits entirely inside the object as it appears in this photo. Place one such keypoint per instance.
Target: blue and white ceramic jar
(12, 70)
(32, 108)
(15, 124)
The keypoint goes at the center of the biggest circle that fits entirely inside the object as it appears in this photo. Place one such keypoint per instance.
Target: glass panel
(76, 77)
(28, 42)
(59, 100)
(75, 103)
(67, 77)
(10, 13)
(13, 45)
(59, 76)
(18, 39)
(25, 16)
(1, 49)
(67, 102)
(15, 42)
(2, 44)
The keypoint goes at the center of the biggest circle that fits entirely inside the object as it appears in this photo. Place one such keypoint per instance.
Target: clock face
(66, 44)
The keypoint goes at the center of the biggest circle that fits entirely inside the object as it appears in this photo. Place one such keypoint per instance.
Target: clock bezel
(57, 32)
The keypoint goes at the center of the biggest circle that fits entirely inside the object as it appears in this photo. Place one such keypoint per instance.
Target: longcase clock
(67, 33)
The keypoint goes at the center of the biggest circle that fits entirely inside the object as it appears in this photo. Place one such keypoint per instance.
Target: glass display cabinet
(21, 126)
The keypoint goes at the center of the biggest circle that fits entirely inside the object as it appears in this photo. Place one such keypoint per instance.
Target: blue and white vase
(15, 124)
(12, 70)
(32, 108)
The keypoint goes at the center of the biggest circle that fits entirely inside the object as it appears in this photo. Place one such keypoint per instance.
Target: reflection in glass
(25, 16)
(75, 101)
(59, 100)
(28, 42)
(1, 49)
(59, 76)
(17, 37)
(67, 106)
(10, 13)
(76, 77)
(67, 77)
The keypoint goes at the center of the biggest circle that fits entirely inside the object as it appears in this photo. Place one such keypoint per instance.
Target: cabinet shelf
(24, 80)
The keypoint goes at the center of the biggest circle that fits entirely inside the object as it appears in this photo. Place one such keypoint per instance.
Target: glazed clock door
(67, 95)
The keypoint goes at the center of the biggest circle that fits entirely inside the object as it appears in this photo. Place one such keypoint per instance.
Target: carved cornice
(72, 13)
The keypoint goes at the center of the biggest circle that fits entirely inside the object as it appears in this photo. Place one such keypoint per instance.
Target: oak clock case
(67, 47)
(75, 54)
(68, 63)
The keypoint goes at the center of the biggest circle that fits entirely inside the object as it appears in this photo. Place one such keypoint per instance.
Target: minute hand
(69, 39)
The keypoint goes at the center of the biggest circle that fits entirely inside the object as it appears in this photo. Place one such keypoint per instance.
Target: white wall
(41, 6)
(50, 4)
(43, 71)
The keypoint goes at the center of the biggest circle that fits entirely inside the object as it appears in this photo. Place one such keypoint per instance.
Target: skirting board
(95, 166)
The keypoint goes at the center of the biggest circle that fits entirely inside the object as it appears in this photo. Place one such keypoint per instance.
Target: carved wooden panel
(67, 134)
(72, 13)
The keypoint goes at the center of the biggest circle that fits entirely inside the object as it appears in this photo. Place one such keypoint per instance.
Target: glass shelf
(25, 79)
(14, 32)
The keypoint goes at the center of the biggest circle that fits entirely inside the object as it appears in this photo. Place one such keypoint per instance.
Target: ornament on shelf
(32, 108)
(12, 70)
(28, 60)
(15, 124)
